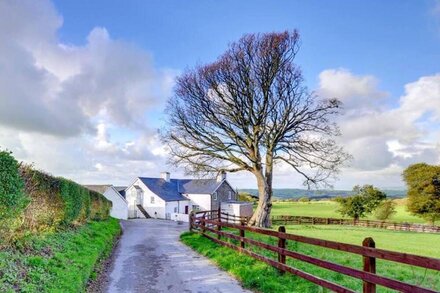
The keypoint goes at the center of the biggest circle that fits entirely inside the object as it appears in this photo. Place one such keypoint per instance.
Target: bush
(385, 210)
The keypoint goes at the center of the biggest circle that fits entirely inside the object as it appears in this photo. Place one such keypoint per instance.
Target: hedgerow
(32, 201)
(12, 197)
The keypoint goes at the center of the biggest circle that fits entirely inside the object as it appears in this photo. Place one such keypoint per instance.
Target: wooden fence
(289, 220)
(210, 222)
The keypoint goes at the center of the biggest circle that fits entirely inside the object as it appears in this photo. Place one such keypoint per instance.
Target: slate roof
(121, 190)
(173, 190)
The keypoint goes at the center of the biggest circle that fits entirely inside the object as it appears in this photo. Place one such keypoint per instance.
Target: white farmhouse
(174, 199)
(116, 194)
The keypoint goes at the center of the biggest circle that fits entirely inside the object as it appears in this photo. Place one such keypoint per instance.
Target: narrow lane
(150, 258)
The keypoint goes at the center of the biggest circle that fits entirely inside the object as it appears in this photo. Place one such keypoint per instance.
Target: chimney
(165, 176)
(221, 176)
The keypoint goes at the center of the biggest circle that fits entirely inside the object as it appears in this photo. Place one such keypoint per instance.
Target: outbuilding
(116, 194)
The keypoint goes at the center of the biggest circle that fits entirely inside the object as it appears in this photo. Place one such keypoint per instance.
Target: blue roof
(173, 190)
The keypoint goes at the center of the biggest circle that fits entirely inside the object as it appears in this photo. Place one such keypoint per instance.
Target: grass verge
(252, 274)
(257, 275)
(57, 262)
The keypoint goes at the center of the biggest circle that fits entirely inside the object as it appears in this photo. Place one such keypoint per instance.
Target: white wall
(176, 207)
(180, 217)
(155, 210)
(119, 208)
(159, 209)
(130, 196)
(242, 209)
(202, 200)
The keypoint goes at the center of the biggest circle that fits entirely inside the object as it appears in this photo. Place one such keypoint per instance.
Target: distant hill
(287, 193)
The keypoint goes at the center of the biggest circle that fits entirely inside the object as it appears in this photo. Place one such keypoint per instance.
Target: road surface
(150, 258)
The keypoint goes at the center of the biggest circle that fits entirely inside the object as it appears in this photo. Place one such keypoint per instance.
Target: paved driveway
(150, 258)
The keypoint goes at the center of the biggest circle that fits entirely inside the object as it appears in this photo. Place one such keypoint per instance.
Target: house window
(196, 207)
(230, 195)
(214, 196)
(175, 209)
(152, 199)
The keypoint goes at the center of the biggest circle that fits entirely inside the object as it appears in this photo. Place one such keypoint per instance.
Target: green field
(257, 275)
(263, 278)
(328, 209)
(401, 241)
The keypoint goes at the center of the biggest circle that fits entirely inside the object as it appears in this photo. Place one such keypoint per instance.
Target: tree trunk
(261, 216)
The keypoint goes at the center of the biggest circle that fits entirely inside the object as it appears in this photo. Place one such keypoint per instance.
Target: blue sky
(99, 72)
(396, 41)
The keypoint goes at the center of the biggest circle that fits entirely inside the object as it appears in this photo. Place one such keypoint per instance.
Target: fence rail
(211, 221)
(286, 220)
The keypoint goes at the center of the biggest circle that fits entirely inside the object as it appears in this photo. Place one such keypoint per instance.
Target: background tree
(423, 183)
(385, 210)
(246, 196)
(304, 199)
(366, 199)
(250, 110)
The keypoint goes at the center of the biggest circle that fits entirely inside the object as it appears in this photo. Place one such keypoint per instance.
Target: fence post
(203, 223)
(242, 234)
(219, 219)
(369, 265)
(281, 244)
(191, 219)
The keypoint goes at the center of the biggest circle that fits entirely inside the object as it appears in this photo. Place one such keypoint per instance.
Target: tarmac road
(150, 258)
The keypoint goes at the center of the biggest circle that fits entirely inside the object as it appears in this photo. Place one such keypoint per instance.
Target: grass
(234, 262)
(401, 241)
(57, 262)
(251, 273)
(328, 209)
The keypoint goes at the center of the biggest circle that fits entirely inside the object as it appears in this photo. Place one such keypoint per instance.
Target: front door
(186, 210)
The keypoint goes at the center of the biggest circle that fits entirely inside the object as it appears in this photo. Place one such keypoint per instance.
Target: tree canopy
(366, 199)
(248, 111)
(423, 183)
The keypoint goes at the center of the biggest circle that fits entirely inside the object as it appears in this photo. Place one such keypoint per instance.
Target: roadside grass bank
(329, 209)
(252, 274)
(234, 262)
(60, 261)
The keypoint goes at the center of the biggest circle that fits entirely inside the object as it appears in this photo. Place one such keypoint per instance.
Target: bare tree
(249, 110)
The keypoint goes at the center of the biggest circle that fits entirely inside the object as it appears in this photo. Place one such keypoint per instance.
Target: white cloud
(50, 87)
(353, 90)
(81, 111)
(61, 104)
(385, 140)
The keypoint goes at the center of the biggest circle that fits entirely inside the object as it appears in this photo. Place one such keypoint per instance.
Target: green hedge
(12, 197)
(40, 202)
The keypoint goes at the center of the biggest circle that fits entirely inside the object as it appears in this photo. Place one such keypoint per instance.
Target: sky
(83, 84)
